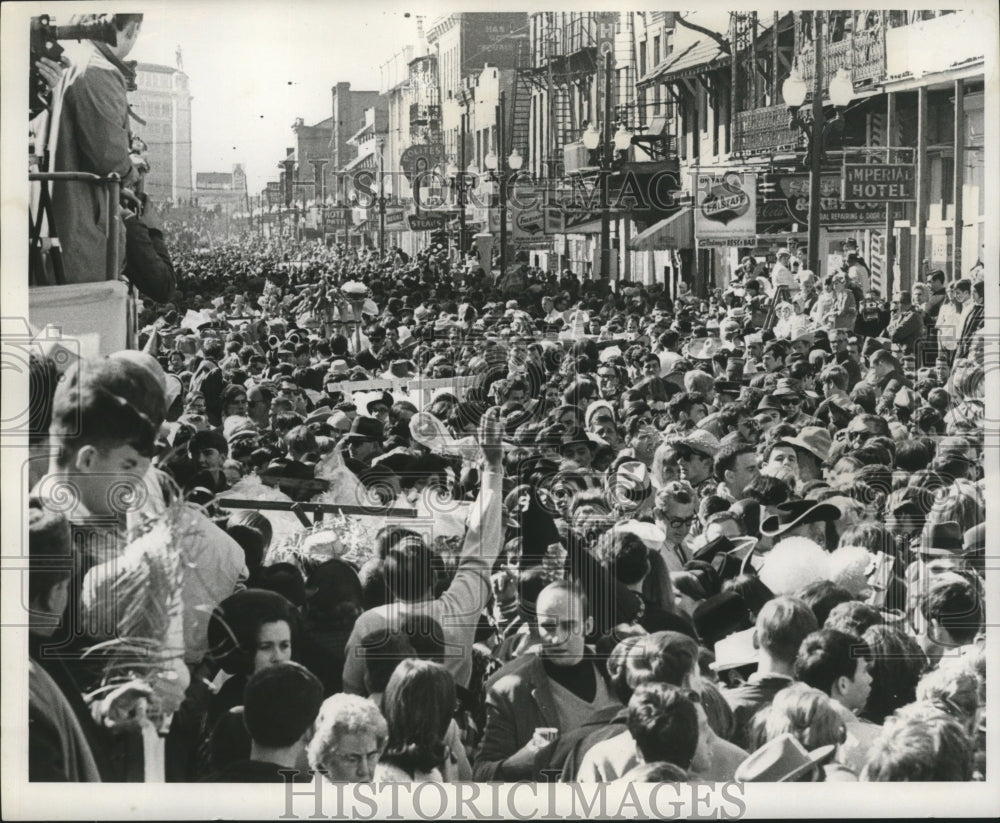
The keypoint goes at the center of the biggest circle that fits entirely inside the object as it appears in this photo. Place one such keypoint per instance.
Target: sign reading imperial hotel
(879, 182)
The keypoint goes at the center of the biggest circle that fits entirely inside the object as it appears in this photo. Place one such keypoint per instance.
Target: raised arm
(470, 589)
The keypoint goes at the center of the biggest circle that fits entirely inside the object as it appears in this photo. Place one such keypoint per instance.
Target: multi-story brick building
(163, 100)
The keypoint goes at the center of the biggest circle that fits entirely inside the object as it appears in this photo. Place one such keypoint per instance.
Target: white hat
(734, 651)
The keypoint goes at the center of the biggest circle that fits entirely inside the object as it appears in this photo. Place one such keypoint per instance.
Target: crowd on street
(727, 538)
(397, 517)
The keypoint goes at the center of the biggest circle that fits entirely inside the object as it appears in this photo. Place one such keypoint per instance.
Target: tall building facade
(348, 115)
(163, 100)
(312, 143)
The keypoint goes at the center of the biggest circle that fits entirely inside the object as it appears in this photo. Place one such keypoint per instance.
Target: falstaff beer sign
(726, 209)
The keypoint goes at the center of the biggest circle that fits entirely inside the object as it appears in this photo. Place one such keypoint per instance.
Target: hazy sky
(255, 67)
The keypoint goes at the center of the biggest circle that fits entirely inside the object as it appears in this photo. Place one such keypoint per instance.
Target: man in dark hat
(379, 407)
(576, 448)
(800, 518)
(363, 443)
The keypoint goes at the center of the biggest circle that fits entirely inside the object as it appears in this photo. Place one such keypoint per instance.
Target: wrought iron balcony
(764, 131)
(861, 53)
(580, 33)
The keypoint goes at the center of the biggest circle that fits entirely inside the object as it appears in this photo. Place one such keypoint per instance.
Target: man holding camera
(89, 132)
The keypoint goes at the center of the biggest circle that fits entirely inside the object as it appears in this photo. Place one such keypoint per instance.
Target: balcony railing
(423, 115)
(764, 131)
(862, 54)
(580, 33)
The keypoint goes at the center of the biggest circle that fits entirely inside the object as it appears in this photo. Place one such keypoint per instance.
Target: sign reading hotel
(725, 209)
(878, 182)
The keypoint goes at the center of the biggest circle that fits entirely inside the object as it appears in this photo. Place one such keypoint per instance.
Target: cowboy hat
(814, 439)
(797, 513)
(703, 348)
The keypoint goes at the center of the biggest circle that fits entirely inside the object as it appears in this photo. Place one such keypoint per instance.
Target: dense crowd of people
(733, 537)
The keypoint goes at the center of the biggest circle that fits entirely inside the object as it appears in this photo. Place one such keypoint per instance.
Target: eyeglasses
(679, 522)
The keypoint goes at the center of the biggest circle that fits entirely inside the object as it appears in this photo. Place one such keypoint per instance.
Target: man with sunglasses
(695, 453)
(790, 398)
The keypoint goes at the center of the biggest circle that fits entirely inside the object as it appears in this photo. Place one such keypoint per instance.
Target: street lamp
(381, 198)
(592, 138)
(623, 138)
(502, 176)
(841, 89)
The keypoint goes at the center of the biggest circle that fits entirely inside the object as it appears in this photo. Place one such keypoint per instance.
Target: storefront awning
(675, 232)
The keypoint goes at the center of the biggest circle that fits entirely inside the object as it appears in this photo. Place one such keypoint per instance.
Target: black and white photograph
(444, 412)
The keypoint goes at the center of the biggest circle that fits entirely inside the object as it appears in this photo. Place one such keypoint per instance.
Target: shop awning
(697, 58)
(675, 232)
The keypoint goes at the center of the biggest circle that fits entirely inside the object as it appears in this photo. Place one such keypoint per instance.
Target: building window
(656, 50)
(642, 59)
(947, 181)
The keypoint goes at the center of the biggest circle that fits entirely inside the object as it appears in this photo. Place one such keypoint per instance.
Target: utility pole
(816, 147)
(381, 198)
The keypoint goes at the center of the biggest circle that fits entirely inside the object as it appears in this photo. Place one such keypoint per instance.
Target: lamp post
(503, 175)
(381, 198)
(502, 172)
(592, 139)
(461, 186)
(794, 90)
